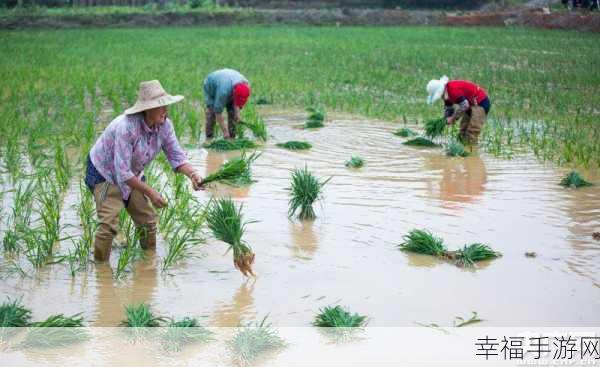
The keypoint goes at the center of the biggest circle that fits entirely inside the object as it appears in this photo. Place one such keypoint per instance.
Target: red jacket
(458, 90)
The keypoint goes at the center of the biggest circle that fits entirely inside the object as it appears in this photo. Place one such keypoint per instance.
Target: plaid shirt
(127, 145)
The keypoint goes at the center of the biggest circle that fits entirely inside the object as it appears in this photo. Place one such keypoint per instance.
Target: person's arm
(177, 157)
(155, 197)
(188, 170)
(463, 106)
(221, 121)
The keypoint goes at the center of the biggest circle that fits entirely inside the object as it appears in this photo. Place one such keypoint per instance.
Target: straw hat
(435, 89)
(151, 95)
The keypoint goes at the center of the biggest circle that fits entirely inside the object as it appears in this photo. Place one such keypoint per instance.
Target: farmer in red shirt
(473, 105)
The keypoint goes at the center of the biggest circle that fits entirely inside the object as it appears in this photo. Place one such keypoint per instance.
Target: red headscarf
(241, 92)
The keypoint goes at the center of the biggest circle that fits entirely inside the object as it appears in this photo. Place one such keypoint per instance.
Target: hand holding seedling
(197, 182)
(157, 200)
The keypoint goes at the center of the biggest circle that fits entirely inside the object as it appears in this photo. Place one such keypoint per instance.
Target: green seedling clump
(316, 118)
(295, 145)
(355, 162)
(141, 316)
(236, 172)
(435, 128)
(420, 142)
(226, 223)
(405, 132)
(574, 179)
(222, 145)
(338, 317)
(305, 190)
(456, 149)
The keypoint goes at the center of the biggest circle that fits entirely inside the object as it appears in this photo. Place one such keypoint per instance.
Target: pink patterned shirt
(127, 145)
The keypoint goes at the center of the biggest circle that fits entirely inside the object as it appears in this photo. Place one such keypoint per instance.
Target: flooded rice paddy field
(349, 254)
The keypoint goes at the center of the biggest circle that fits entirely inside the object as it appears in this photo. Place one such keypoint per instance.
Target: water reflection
(463, 180)
(239, 310)
(304, 240)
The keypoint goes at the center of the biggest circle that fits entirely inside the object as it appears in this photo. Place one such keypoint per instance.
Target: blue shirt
(218, 88)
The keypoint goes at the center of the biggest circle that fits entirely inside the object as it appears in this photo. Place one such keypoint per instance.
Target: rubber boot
(102, 247)
(147, 237)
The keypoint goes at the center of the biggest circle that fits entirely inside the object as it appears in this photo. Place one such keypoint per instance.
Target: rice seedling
(226, 223)
(470, 254)
(180, 244)
(221, 145)
(185, 331)
(461, 322)
(141, 316)
(253, 340)
(355, 162)
(295, 145)
(338, 317)
(456, 149)
(316, 118)
(235, 172)
(60, 320)
(530, 254)
(404, 132)
(14, 314)
(435, 127)
(305, 190)
(420, 142)
(254, 123)
(132, 250)
(423, 242)
(574, 179)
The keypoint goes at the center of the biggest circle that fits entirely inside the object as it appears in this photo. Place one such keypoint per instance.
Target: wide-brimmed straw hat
(152, 95)
(435, 89)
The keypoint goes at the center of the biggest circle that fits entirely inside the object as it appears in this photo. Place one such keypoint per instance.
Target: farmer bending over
(115, 167)
(473, 105)
(225, 88)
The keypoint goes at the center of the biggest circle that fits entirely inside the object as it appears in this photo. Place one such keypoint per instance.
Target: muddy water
(348, 255)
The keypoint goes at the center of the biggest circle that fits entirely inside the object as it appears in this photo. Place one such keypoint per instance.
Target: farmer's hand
(236, 114)
(196, 181)
(157, 200)
(450, 120)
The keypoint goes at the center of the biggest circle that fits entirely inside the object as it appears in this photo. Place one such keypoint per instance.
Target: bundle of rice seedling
(470, 254)
(435, 128)
(305, 190)
(226, 223)
(315, 118)
(186, 330)
(141, 316)
(573, 179)
(222, 145)
(14, 314)
(423, 242)
(60, 320)
(355, 162)
(235, 172)
(456, 149)
(253, 340)
(295, 145)
(420, 142)
(338, 317)
(404, 132)
(257, 126)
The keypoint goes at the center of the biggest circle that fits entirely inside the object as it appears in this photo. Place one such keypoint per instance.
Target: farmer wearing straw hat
(473, 105)
(225, 88)
(115, 167)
